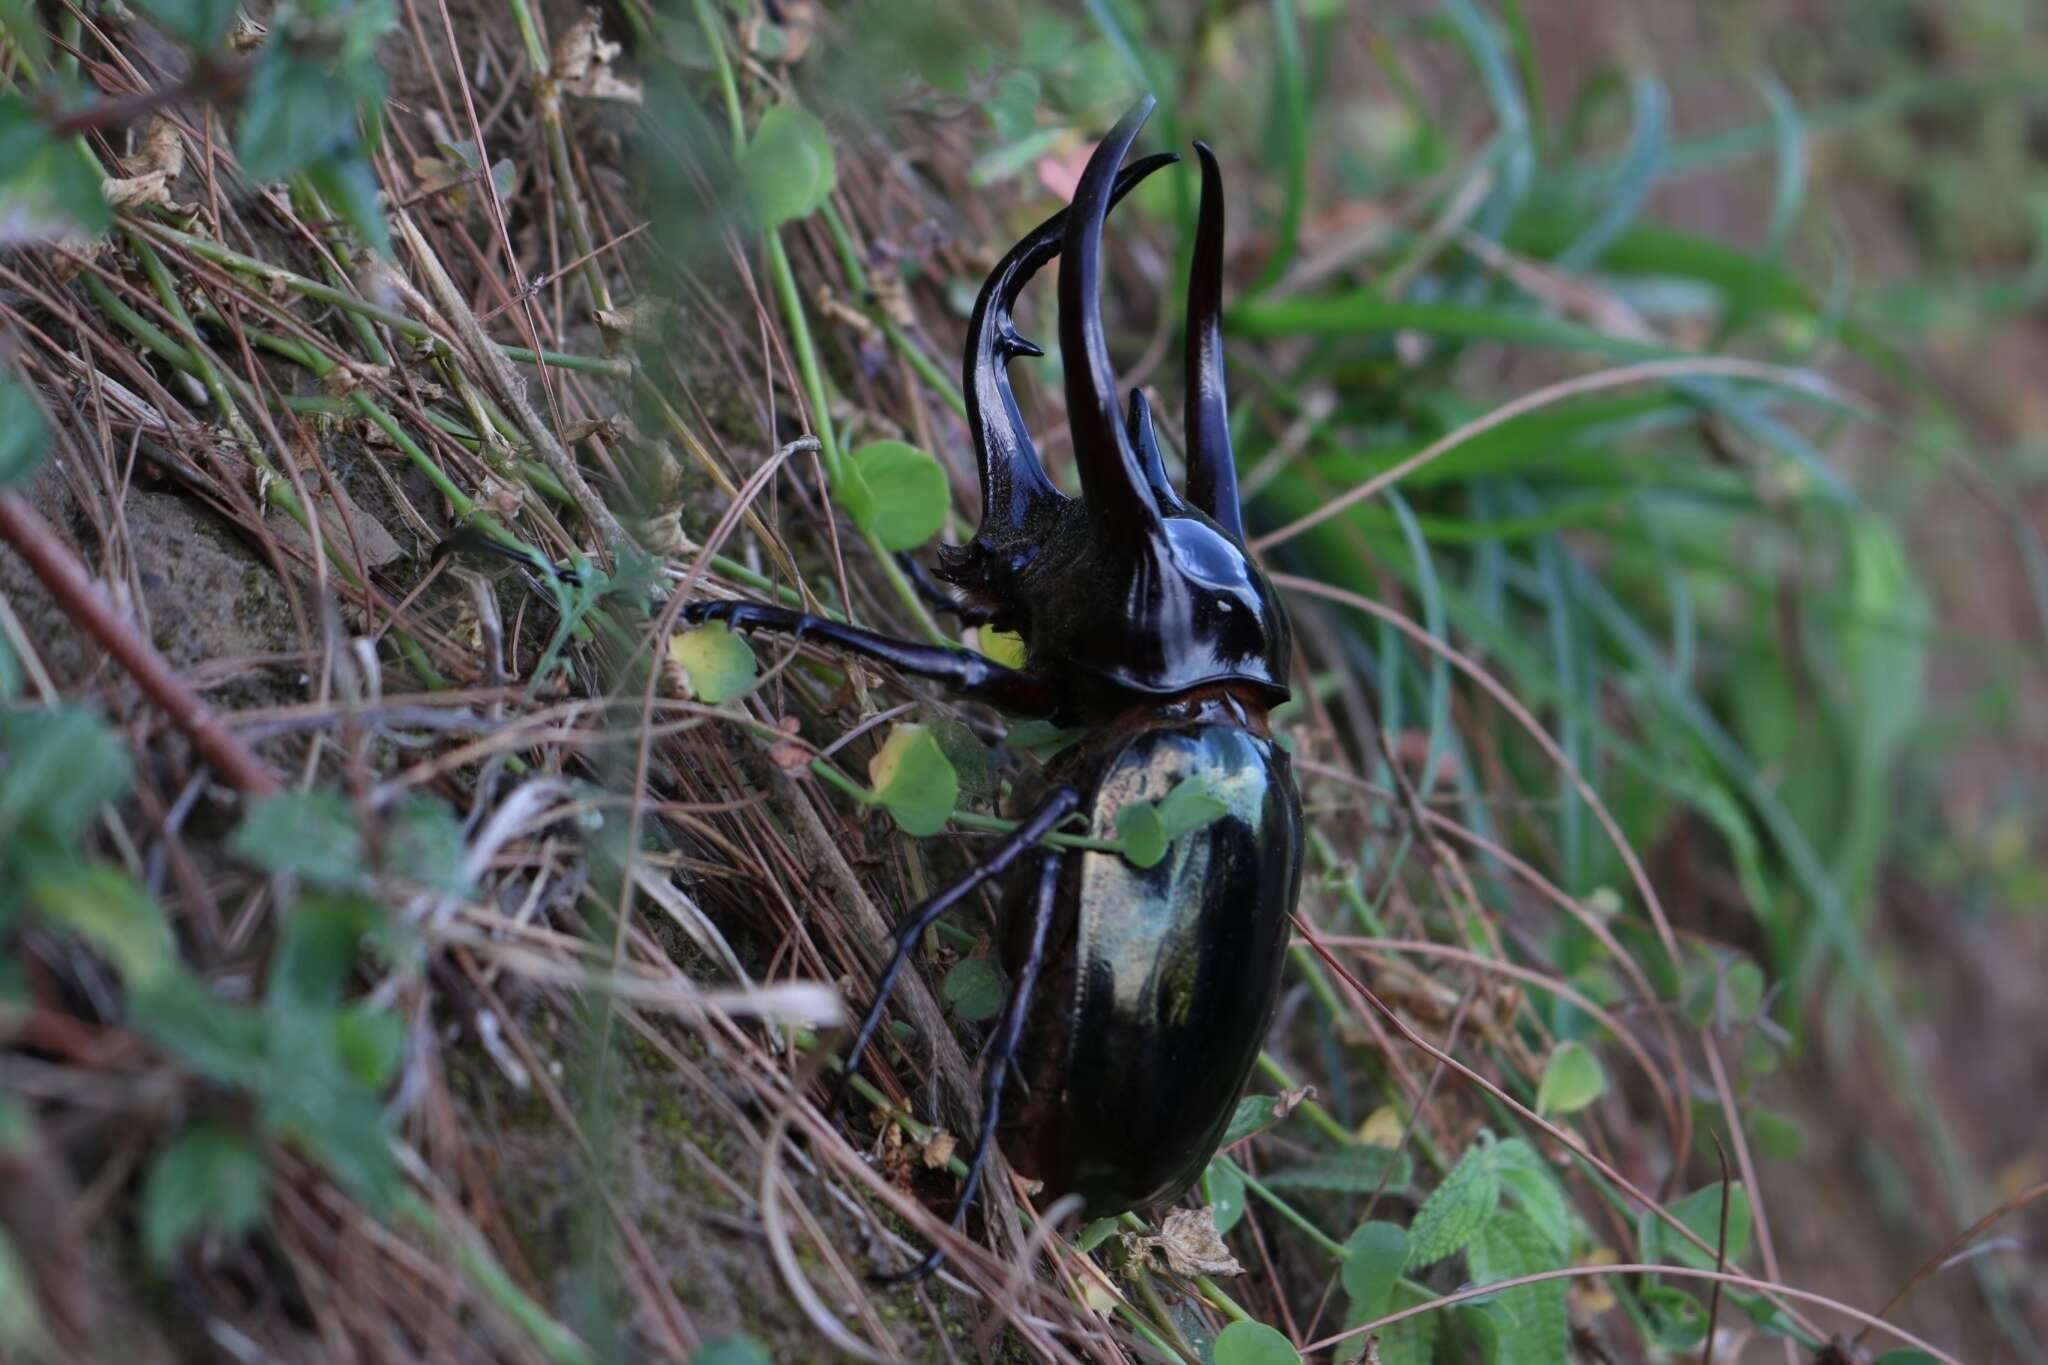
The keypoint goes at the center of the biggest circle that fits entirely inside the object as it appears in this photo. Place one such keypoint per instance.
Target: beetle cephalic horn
(1212, 470)
(1013, 482)
(1146, 442)
(1120, 500)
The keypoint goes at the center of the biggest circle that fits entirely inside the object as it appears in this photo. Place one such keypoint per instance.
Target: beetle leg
(1212, 470)
(935, 594)
(967, 673)
(1002, 1053)
(1057, 805)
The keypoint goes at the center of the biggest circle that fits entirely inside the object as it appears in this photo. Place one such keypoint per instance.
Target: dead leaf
(938, 1149)
(159, 161)
(583, 64)
(1290, 1100)
(1190, 1245)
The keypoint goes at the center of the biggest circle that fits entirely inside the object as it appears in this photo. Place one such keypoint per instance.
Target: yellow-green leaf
(717, 664)
(788, 166)
(1572, 1079)
(895, 491)
(914, 779)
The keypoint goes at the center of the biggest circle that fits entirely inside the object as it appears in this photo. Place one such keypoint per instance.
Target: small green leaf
(309, 834)
(1042, 739)
(211, 1179)
(788, 166)
(222, 1040)
(1354, 1170)
(1774, 1136)
(1701, 1212)
(1254, 1114)
(904, 494)
(1572, 1079)
(912, 777)
(717, 663)
(1254, 1343)
(736, 1350)
(370, 1042)
(1223, 1188)
(1374, 1255)
(1006, 647)
(974, 989)
(62, 766)
(1142, 833)
(1677, 1319)
(1192, 804)
(1454, 1211)
(1745, 990)
(110, 910)
(23, 437)
(1411, 1341)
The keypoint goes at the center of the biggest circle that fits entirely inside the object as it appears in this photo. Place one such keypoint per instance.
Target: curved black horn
(1013, 482)
(1120, 501)
(1212, 469)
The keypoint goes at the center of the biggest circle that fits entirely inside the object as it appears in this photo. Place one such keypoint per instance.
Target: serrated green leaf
(222, 1040)
(1572, 1079)
(1507, 1247)
(1223, 1187)
(974, 989)
(1411, 1341)
(904, 495)
(1454, 1211)
(211, 1179)
(1254, 1343)
(1374, 1255)
(1527, 1179)
(1678, 1321)
(423, 844)
(716, 662)
(1254, 1114)
(110, 910)
(62, 766)
(339, 1126)
(296, 111)
(913, 778)
(788, 166)
(313, 835)
(47, 186)
(199, 24)
(23, 436)
(321, 943)
(1354, 1170)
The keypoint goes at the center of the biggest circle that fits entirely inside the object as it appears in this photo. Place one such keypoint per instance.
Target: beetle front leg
(1002, 1054)
(967, 673)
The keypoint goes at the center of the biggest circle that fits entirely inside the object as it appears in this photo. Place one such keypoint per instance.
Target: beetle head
(1132, 587)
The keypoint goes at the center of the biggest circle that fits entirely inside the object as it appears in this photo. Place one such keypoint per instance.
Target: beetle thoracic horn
(1138, 426)
(1013, 482)
(1212, 470)
(1119, 499)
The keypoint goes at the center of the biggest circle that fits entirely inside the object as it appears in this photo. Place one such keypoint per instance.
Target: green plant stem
(1287, 1211)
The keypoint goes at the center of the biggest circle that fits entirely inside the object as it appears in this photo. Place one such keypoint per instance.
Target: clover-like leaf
(788, 166)
(904, 496)
(1254, 1343)
(1572, 1079)
(974, 989)
(716, 663)
(914, 779)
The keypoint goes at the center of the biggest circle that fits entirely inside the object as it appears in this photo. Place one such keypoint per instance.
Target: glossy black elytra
(1138, 996)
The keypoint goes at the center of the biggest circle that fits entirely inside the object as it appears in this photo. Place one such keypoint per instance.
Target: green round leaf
(788, 166)
(1775, 1136)
(974, 989)
(1572, 1079)
(1375, 1254)
(1142, 833)
(370, 1042)
(1223, 1187)
(906, 495)
(717, 664)
(1678, 1320)
(210, 1179)
(914, 779)
(1254, 1114)
(1254, 1343)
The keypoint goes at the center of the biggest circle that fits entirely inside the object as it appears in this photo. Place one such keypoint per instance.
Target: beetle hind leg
(1001, 1056)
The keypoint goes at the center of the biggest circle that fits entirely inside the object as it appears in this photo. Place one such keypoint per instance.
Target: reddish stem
(80, 596)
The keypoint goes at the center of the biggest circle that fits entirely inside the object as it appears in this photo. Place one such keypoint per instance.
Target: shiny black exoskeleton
(1139, 995)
